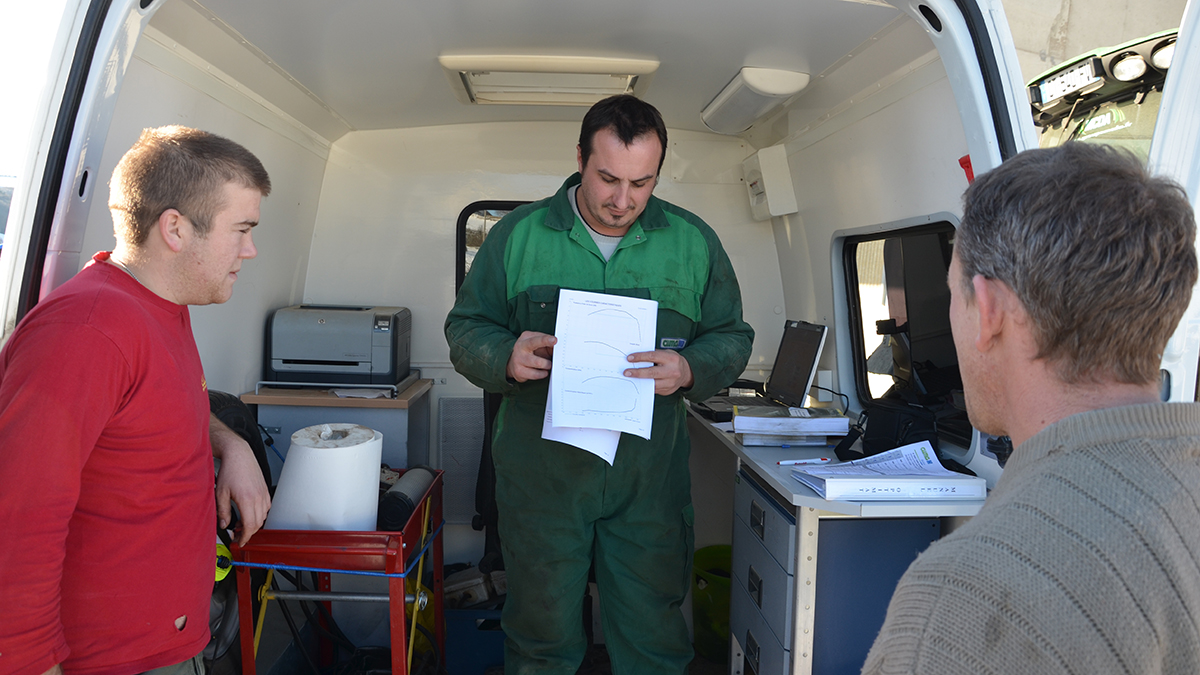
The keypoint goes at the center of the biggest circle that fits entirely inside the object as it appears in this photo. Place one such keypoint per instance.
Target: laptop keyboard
(749, 400)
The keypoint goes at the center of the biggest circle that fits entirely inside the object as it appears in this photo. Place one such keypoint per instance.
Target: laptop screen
(796, 363)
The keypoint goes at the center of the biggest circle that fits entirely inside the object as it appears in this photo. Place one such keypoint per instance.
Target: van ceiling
(372, 64)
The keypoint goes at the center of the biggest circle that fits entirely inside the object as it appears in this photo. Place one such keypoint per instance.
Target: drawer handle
(754, 586)
(757, 519)
(751, 653)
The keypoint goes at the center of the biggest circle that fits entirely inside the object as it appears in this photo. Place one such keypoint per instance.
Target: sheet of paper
(596, 333)
(600, 442)
(361, 393)
(916, 459)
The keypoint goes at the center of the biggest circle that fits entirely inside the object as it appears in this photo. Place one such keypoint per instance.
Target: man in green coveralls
(561, 508)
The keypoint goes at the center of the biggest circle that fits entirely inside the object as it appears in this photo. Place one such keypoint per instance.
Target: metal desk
(779, 520)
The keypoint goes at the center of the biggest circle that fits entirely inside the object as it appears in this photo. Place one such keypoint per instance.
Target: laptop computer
(793, 374)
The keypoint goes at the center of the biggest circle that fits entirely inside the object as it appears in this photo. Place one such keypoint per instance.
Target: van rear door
(91, 51)
(1175, 152)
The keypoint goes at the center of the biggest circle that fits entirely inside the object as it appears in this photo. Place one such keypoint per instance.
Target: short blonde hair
(176, 167)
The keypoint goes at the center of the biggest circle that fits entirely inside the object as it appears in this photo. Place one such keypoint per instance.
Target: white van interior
(845, 134)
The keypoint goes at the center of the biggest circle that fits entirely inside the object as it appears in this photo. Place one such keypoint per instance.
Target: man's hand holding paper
(670, 370)
(530, 359)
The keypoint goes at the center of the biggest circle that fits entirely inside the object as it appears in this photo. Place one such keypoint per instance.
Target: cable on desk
(845, 407)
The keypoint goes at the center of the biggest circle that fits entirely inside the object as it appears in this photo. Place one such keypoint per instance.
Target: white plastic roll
(329, 481)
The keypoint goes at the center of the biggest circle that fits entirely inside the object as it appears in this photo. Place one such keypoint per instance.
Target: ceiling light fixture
(544, 80)
(750, 95)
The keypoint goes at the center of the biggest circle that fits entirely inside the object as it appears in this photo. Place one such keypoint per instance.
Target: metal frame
(377, 552)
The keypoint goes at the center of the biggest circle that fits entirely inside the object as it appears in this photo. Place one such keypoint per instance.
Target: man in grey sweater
(1071, 270)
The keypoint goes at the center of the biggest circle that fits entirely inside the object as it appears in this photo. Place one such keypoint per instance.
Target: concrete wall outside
(1048, 32)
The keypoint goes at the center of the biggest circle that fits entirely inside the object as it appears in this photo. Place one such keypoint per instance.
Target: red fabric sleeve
(59, 386)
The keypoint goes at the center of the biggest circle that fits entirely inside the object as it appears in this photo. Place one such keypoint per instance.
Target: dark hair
(178, 168)
(1101, 254)
(629, 117)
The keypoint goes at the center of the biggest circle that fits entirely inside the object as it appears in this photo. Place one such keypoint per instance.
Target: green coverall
(560, 507)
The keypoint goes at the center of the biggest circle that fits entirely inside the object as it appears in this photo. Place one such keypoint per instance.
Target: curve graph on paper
(604, 394)
(610, 350)
(620, 324)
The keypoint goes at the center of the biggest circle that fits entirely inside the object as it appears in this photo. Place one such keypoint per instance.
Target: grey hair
(1101, 254)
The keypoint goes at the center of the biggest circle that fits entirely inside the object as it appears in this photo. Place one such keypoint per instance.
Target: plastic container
(465, 588)
(474, 641)
(710, 601)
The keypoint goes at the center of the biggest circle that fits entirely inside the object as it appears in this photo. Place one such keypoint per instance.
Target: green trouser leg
(559, 507)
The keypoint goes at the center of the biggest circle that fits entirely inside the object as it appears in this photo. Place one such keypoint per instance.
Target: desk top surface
(763, 461)
(323, 398)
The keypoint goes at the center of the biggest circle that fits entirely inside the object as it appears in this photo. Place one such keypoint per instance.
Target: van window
(474, 223)
(900, 316)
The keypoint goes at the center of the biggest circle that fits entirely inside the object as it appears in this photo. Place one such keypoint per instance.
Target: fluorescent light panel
(544, 80)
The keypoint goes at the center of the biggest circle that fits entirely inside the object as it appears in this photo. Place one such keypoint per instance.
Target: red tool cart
(325, 552)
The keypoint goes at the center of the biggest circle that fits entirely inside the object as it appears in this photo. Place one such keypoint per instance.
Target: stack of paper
(780, 440)
(910, 472)
(794, 421)
(591, 402)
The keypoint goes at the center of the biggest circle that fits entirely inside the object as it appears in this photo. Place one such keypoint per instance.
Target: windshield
(1108, 95)
(1128, 124)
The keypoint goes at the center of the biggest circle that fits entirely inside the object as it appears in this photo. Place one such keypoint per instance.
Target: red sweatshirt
(106, 482)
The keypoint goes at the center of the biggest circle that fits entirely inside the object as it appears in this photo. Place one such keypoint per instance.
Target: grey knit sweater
(1085, 559)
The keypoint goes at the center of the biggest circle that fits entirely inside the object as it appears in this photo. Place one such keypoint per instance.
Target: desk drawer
(764, 655)
(768, 522)
(769, 587)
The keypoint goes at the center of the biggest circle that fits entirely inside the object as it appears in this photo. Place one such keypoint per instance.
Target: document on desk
(910, 472)
(588, 387)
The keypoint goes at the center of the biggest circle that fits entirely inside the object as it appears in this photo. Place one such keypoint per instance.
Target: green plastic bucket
(710, 601)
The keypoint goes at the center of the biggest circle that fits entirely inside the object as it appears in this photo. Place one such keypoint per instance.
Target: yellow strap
(412, 634)
(262, 610)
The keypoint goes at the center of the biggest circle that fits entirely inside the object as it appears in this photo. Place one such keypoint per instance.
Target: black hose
(287, 616)
(437, 656)
(337, 636)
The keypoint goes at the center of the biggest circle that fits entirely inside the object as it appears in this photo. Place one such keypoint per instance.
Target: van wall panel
(385, 227)
(229, 336)
(866, 175)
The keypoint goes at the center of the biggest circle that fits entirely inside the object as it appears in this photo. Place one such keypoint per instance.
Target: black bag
(222, 654)
(892, 423)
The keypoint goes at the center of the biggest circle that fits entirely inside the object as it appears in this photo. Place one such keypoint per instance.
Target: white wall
(1048, 32)
(229, 336)
(868, 174)
(873, 141)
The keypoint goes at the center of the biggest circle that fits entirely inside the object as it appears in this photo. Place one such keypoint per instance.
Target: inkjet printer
(338, 345)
